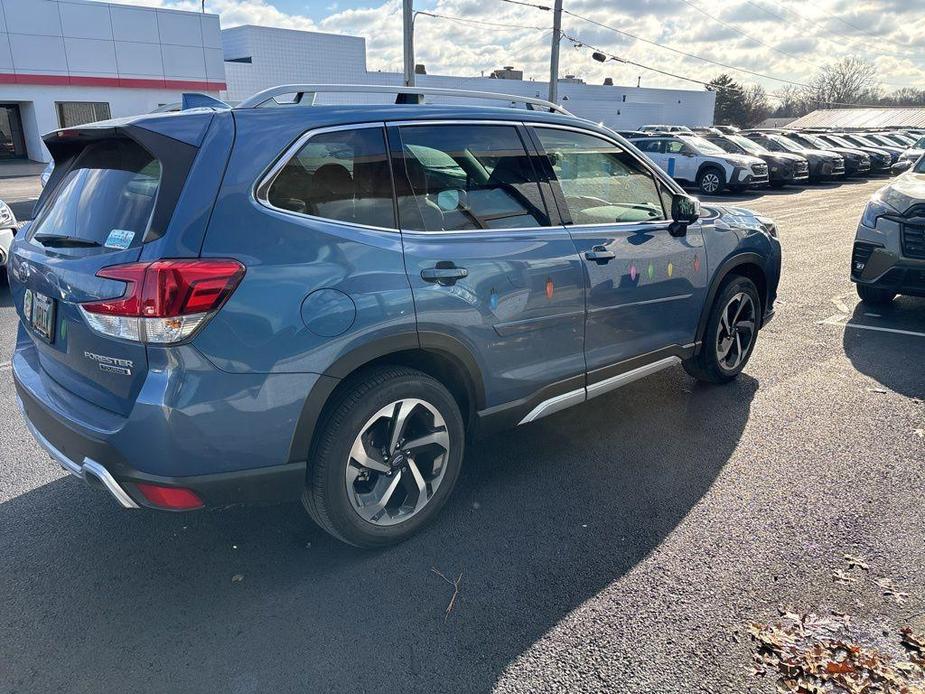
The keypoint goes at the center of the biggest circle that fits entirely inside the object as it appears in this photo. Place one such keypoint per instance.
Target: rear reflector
(164, 301)
(174, 498)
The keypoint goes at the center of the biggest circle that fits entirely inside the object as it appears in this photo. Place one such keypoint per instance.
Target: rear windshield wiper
(64, 241)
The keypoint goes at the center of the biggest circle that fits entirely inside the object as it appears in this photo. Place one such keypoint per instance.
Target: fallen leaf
(840, 576)
(879, 391)
(237, 578)
(856, 561)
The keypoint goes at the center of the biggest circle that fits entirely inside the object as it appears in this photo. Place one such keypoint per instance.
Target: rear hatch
(113, 190)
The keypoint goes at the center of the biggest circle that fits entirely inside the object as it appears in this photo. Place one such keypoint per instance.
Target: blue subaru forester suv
(252, 304)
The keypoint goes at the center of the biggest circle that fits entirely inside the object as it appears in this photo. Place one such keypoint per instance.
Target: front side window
(459, 177)
(342, 175)
(651, 146)
(703, 146)
(601, 182)
(676, 147)
(106, 197)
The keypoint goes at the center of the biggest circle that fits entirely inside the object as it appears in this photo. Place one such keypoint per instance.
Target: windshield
(919, 165)
(840, 141)
(857, 139)
(788, 144)
(106, 198)
(882, 140)
(814, 141)
(749, 146)
(703, 146)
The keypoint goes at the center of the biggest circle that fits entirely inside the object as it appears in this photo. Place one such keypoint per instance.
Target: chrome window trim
(268, 176)
(266, 179)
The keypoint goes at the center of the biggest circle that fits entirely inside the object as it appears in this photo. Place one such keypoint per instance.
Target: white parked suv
(7, 229)
(694, 160)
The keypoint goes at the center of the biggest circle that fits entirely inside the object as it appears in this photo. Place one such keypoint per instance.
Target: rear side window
(106, 198)
(600, 181)
(341, 175)
(459, 177)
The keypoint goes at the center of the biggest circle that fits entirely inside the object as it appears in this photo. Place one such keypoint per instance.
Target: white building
(261, 57)
(66, 62)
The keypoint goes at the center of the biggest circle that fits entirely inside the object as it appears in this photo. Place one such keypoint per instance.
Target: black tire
(326, 493)
(711, 180)
(874, 295)
(706, 364)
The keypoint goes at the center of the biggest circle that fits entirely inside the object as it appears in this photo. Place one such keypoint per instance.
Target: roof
(862, 118)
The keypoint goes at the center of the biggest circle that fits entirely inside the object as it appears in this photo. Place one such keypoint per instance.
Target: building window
(74, 113)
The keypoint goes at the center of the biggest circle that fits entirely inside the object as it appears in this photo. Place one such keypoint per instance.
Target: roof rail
(305, 95)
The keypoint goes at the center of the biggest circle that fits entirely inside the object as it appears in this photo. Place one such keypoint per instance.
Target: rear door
(488, 267)
(645, 287)
(111, 194)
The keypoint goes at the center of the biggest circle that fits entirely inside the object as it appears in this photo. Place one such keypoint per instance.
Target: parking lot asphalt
(623, 545)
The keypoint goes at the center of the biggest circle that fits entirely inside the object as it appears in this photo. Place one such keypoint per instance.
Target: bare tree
(755, 105)
(843, 83)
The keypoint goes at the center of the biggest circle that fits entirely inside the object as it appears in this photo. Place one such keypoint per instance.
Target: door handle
(599, 254)
(444, 274)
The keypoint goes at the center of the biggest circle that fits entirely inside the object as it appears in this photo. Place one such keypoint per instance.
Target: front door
(644, 286)
(488, 268)
(12, 143)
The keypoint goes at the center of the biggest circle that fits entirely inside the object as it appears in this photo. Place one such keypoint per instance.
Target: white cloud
(885, 32)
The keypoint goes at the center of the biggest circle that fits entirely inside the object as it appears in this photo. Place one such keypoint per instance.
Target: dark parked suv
(221, 306)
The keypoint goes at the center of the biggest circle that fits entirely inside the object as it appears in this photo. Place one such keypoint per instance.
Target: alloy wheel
(736, 331)
(710, 182)
(397, 462)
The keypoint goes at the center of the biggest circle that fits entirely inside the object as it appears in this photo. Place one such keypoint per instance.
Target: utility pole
(554, 54)
(408, 40)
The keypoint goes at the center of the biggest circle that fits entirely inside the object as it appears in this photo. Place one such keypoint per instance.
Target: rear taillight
(173, 498)
(164, 301)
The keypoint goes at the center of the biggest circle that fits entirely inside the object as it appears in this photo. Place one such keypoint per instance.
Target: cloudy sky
(785, 39)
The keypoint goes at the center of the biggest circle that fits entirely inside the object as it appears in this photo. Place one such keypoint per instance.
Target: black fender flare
(728, 265)
(437, 343)
(711, 165)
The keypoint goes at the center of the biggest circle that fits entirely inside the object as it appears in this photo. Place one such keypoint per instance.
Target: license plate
(43, 316)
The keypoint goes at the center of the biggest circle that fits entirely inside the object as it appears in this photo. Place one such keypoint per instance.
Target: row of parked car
(722, 158)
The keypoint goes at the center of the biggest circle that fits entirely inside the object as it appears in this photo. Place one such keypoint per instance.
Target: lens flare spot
(651, 271)
(634, 273)
(696, 263)
(550, 288)
(493, 300)
(670, 268)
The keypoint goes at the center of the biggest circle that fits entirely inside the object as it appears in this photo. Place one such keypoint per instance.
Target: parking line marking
(841, 321)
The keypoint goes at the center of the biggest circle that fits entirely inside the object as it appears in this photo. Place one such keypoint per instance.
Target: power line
(528, 4)
(466, 20)
(827, 30)
(739, 31)
(684, 53)
(581, 44)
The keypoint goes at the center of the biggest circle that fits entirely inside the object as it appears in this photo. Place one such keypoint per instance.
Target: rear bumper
(273, 484)
(186, 442)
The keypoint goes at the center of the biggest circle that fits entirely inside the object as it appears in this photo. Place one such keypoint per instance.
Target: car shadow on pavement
(891, 359)
(543, 518)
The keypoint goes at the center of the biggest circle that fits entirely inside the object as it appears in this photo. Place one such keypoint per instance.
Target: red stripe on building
(118, 82)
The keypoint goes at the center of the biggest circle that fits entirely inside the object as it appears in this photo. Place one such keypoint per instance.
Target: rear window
(106, 198)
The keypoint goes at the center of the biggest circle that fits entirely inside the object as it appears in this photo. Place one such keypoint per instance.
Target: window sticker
(119, 238)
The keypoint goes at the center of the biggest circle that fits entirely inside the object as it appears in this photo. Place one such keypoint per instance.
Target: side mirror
(685, 210)
(901, 166)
